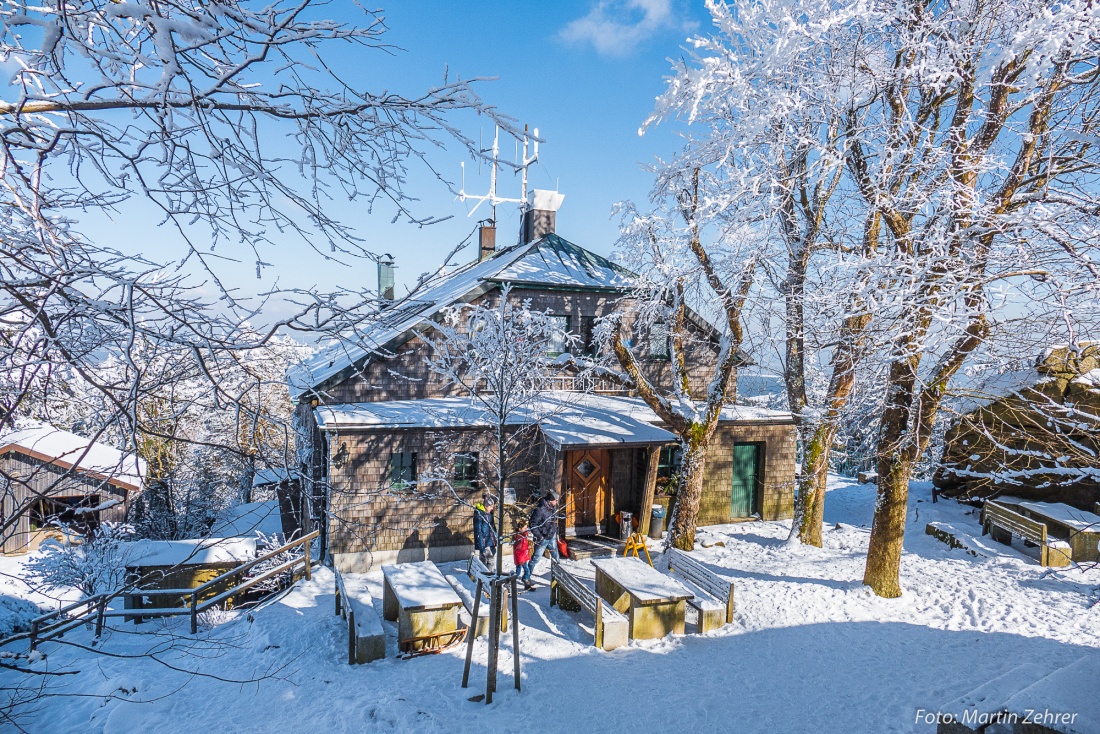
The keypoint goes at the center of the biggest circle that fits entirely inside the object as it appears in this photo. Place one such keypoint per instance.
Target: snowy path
(811, 650)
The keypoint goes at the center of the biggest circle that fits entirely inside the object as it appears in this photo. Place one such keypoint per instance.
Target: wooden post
(194, 612)
(352, 657)
(99, 617)
(494, 639)
(305, 547)
(471, 635)
(336, 582)
(650, 489)
(34, 635)
(515, 631)
(599, 623)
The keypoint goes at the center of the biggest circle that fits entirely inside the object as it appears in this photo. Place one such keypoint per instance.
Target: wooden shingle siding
(25, 479)
(776, 475)
(403, 374)
(369, 520)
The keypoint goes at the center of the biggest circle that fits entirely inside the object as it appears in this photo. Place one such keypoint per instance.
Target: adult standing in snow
(485, 537)
(544, 529)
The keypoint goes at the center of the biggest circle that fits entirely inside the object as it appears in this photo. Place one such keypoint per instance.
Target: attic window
(559, 341)
(658, 340)
(588, 336)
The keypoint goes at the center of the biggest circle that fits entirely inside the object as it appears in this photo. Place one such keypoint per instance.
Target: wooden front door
(586, 496)
(743, 496)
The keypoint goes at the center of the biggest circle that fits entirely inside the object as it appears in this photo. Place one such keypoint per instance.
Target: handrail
(305, 539)
(38, 634)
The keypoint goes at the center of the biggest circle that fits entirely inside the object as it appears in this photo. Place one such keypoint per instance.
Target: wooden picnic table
(653, 602)
(420, 599)
(1080, 528)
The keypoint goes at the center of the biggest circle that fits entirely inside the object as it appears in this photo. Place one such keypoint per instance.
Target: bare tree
(227, 120)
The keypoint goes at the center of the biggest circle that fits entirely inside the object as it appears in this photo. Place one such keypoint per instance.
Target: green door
(743, 495)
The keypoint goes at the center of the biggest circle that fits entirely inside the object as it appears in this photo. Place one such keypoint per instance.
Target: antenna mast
(520, 168)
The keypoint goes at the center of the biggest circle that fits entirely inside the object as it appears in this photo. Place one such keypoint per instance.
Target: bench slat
(698, 575)
(612, 627)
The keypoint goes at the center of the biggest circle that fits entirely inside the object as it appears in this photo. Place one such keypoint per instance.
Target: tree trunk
(888, 529)
(811, 490)
(686, 517)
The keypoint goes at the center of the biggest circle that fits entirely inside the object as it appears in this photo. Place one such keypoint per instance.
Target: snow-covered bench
(713, 594)
(476, 569)
(1001, 523)
(612, 629)
(480, 626)
(366, 639)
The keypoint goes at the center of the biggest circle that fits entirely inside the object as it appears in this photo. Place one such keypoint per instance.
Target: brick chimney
(487, 239)
(539, 219)
(385, 277)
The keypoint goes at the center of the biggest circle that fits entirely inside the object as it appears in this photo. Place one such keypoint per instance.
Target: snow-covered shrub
(16, 614)
(95, 566)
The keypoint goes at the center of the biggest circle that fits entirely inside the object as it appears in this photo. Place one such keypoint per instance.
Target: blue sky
(585, 73)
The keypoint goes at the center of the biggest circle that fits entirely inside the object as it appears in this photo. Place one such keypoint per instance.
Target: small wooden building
(54, 478)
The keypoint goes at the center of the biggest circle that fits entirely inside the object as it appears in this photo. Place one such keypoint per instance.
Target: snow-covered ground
(811, 650)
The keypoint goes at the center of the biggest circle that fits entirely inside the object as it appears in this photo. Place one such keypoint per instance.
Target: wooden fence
(94, 608)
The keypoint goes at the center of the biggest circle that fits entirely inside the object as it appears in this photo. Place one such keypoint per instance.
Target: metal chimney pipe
(385, 277)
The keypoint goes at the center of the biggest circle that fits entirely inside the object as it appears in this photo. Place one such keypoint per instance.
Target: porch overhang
(596, 427)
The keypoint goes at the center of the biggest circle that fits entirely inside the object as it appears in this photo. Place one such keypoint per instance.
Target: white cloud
(616, 27)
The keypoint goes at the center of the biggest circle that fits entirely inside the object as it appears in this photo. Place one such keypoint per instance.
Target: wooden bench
(366, 640)
(1001, 522)
(713, 594)
(612, 629)
(475, 570)
(423, 604)
(480, 626)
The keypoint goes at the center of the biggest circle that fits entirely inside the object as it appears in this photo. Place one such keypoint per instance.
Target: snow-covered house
(49, 476)
(371, 416)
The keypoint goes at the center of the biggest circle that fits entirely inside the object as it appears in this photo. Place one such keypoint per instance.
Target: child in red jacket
(521, 553)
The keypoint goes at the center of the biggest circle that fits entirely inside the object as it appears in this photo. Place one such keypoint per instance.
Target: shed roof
(147, 553)
(72, 452)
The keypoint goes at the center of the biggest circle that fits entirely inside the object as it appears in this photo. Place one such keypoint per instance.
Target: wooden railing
(94, 608)
(197, 603)
(347, 609)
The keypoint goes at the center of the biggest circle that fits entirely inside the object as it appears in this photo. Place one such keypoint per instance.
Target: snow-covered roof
(264, 477)
(141, 553)
(567, 419)
(984, 389)
(70, 451)
(550, 261)
(243, 521)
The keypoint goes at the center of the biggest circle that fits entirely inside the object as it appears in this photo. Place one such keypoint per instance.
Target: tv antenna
(521, 167)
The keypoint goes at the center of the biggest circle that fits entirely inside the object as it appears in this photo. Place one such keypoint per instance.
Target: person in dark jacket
(485, 537)
(544, 529)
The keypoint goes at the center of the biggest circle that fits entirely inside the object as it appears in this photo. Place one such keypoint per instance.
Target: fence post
(99, 617)
(336, 581)
(308, 564)
(34, 635)
(194, 612)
